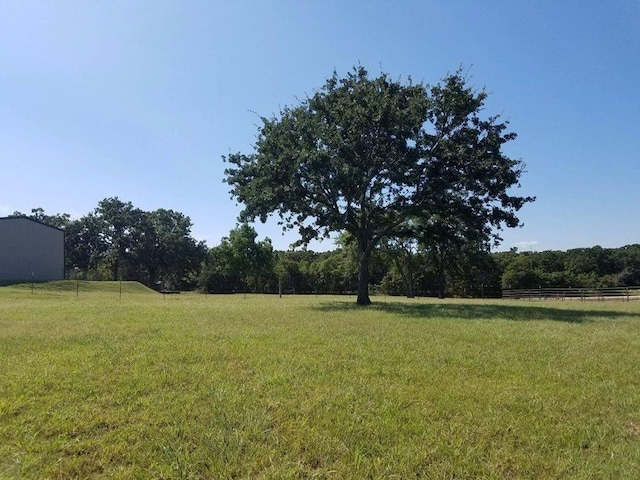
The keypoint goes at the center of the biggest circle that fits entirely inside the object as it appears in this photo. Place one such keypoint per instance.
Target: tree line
(241, 263)
(594, 267)
(119, 241)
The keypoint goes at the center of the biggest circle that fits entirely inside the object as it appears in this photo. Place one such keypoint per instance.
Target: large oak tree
(363, 155)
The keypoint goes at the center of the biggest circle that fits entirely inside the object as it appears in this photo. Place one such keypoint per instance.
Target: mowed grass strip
(188, 386)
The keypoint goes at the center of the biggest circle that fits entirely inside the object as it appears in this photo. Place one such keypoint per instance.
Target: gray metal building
(30, 250)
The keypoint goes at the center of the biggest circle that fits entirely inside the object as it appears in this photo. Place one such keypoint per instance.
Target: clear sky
(140, 99)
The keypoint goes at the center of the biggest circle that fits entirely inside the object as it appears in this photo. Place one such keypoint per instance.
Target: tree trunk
(441, 258)
(407, 277)
(363, 277)
(152, 276)
(442, 282)
(115, 272)
(410, 291)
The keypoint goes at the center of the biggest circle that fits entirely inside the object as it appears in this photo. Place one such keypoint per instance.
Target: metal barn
(30, 250)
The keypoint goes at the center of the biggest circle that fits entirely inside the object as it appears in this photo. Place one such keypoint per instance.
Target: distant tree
(444, 239)
(123, 240)
(240, 260)
(84, 245)
(475, 272)
(58, 220)
(163, 247)
(404, 259)
(362, 155)
(335, 271)
(628, 260)
(118, 221)
(297, 271)
(217, 274)
(550, 261)
(284, 268)
(520, 273)
(629, 277)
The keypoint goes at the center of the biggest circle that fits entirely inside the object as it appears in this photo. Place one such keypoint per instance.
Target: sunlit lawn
(136, 385)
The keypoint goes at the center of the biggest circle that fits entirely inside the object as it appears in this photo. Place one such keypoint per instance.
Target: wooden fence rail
(583, 294)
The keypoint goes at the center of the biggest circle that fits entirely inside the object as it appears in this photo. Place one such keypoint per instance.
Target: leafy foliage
(580, 267)
(238, 263)
(58, 220)
(365, 155)
(119, 241)
(160, 247)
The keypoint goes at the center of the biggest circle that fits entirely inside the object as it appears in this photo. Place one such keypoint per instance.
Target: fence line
(582, 294)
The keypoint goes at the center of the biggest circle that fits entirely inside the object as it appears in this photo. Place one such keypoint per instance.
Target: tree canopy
(161, 248)
(364, 155)
(117, 240)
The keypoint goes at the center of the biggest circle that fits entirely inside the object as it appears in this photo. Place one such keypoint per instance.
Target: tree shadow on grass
(477, 311)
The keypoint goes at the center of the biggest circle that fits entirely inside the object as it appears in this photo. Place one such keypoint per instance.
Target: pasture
(103, 384)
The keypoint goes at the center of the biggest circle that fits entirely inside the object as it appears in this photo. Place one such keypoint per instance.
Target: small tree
(240, 256)
(117, 221)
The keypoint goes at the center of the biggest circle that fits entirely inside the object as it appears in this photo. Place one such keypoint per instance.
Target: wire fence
(582, 294)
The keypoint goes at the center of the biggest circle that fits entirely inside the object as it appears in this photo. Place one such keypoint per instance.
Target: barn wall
(30, 250)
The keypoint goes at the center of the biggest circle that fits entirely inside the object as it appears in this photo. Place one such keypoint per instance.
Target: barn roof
(31, 220)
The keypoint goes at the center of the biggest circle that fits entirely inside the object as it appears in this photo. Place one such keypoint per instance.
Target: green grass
(188, 386)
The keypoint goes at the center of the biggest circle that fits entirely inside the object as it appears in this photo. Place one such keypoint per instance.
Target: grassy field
(110, 383)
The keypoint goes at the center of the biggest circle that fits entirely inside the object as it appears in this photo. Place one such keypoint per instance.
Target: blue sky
(140, 99)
